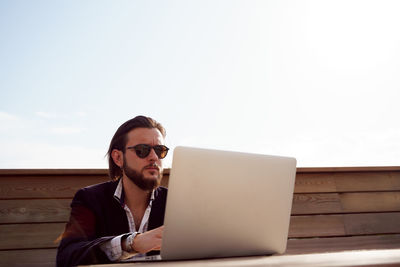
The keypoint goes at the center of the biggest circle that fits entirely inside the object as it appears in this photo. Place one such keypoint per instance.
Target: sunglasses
(143, 150)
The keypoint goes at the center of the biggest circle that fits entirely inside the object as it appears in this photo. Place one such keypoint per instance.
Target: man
(122, 218)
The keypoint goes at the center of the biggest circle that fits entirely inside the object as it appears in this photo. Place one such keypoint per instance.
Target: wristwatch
(129, 242)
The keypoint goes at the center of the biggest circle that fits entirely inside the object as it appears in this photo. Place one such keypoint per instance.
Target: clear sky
(316, 80)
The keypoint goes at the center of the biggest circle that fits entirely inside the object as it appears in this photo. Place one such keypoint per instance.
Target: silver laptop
(224, 204)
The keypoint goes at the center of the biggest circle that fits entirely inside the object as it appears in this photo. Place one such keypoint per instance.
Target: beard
(146, 184)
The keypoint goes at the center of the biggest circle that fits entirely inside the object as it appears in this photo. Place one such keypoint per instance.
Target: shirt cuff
(113, 249)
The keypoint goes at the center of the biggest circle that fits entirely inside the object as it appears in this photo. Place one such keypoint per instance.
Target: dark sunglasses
(143, 150)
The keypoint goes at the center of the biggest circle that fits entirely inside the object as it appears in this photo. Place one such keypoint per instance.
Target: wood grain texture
(329, 182)
(367, 181)
(372, 223)
(32, 258)
(57, 210)
(52, 172)
(46, 257)
(165, 180)
(316, 226)
(167, 171)
(370, 202)
(314, 183)
(316, 204)
(40, 187)
(347, 169)
(329, 203)
(27, 236)
(34, 210)
(42, 235)
(62, 186)
(334, 209)
(58, 172)
(45, 186)
(344, 225)
(332, 244)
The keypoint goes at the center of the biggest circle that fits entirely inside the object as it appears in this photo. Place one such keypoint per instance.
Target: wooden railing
(338, 209)
(334, 209)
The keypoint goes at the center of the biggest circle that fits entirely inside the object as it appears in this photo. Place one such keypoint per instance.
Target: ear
(117, 157)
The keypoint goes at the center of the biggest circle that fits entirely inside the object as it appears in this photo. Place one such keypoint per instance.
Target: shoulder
(161, 192)
(102, 187)
(95, 193)
(162, 189)
(160, 197)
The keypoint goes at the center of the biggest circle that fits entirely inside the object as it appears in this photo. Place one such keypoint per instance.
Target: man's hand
(147, 241)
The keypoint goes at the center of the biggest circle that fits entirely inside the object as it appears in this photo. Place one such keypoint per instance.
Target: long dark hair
(119, 140)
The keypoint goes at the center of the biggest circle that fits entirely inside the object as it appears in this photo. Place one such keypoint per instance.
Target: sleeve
(113, 249)
(79, 244)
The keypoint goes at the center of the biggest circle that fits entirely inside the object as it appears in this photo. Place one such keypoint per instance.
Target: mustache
(153, 165)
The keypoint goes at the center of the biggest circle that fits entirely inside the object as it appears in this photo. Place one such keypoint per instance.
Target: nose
(152, 156)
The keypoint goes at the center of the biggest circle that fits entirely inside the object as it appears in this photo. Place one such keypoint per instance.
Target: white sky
(316, 80)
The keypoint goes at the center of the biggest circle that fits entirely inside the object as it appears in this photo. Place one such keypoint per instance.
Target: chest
(138, 219)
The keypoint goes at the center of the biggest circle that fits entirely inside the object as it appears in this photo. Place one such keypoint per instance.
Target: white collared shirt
(112, 248)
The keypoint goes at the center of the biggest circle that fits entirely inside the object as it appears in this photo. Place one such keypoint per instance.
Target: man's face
(146, 172)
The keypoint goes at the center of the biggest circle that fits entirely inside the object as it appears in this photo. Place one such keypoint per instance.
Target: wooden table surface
(384, 257)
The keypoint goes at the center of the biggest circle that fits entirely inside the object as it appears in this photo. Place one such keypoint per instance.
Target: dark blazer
(96, 216)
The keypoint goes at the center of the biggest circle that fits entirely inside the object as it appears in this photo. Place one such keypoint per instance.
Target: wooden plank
(372, 223)
(347, 182)
(332, 244)
(167, 170)
(370, 202)
(57, 172)
(28, 236)
(310, 182)
(165, 180)
(345, 203)
(43, 235)
(34, 210)
(52, 172)
(14, 187)
(316, 203)
(344, 224)
(314, 183)
(316, 226)
(32, 258)
(367, 181)
(45, 186)
(348, 169)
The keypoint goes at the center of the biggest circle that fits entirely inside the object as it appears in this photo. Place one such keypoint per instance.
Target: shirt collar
(119, 194)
